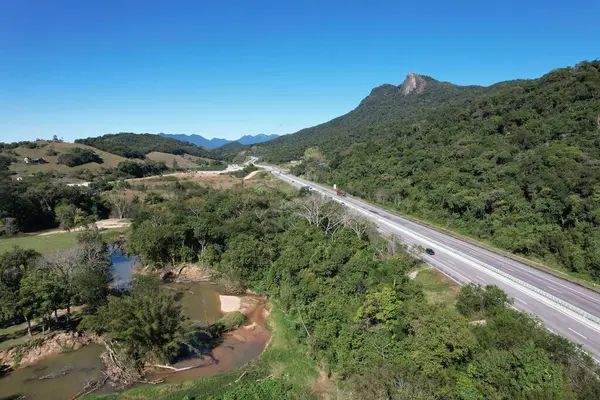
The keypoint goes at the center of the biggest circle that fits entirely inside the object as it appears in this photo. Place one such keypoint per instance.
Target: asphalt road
(564, 307)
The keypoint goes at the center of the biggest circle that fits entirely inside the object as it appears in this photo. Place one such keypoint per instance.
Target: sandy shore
(230, 303)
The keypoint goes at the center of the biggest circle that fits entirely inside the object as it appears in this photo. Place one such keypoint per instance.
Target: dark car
(429, 251)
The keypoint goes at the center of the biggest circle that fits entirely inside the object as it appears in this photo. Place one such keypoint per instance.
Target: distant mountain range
(218, 142)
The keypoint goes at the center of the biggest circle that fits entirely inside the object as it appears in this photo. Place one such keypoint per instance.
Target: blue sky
(230, 68)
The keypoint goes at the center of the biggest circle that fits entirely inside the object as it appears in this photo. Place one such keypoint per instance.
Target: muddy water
(200, 301)
(237, 348)
(74, 370)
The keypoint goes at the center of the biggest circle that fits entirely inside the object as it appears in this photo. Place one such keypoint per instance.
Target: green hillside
(517, 163)
(133, 145)
(51, 152)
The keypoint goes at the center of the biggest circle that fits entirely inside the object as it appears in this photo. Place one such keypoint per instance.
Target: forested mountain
(133, 145)
(516, 163)
(218, 142)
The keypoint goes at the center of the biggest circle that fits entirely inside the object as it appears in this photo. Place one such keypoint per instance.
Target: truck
(340, 193)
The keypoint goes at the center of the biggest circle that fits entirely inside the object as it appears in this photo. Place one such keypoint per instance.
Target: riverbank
(36, 350)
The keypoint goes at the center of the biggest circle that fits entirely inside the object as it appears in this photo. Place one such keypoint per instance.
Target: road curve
(564, 307)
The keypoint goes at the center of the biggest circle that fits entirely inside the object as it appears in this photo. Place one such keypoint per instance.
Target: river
(200, 302)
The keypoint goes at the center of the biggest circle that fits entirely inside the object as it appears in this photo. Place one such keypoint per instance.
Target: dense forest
(517, 163)
(347, 291)
(132, 145)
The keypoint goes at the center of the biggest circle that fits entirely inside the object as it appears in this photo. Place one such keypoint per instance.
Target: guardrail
(545, 294)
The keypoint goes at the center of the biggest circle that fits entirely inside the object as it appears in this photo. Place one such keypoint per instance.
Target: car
(429, 251)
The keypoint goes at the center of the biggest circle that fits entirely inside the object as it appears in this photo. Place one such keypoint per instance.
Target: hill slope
(517, 163)
(110, 160)
(133, 145)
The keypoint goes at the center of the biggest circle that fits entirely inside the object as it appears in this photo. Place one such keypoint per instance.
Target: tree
(9, 226)
(381, 307)
(440, 337)
(122, 205)
(15, 264)
(82, 273)
(30, 303)
(65, 216)
(475, 299)
(147, 325)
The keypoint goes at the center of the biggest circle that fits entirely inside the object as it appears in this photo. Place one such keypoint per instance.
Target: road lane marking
(516, 298)
(574, 331)
(451, 262)
(477, 276)
(553, 288)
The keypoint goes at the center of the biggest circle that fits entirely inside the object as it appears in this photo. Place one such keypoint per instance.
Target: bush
(232, 320)
(79, 156)
(51, 152)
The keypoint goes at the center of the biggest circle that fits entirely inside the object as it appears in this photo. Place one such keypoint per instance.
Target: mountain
(260, 138)
(218, 142)
(197, 140)
(516, 164)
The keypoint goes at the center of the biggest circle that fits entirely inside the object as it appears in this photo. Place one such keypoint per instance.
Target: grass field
(438, 287)
(110, 160)
(284, 360)
(48, 243)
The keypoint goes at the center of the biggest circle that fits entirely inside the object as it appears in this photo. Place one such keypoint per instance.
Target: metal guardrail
(547, 295)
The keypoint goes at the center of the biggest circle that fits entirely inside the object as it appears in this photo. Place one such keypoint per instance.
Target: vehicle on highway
(429, 251)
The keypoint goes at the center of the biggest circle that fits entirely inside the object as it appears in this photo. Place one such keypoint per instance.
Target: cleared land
(110, 160)
(185, 161)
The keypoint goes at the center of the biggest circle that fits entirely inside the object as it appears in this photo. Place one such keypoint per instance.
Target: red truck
(340, 193)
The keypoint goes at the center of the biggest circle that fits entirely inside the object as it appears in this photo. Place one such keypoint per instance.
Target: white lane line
(516, 298)
(477, 276)
(574, 331)
(451, 262)
(553, 288)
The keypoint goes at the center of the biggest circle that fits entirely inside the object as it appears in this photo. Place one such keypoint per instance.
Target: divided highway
(564, 307)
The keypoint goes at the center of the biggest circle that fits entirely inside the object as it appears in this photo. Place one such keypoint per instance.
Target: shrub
(78, 156)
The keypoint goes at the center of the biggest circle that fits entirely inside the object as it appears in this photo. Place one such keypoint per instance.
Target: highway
(565, 308)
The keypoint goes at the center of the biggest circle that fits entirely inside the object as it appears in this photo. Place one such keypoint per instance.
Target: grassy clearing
(48, 243)
(438, 287)
(285, 363)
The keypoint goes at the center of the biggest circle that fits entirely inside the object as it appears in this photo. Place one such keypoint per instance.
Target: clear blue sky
(228, 68)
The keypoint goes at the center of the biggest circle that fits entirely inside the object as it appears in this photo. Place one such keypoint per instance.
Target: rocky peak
(413, 83)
